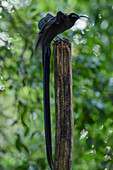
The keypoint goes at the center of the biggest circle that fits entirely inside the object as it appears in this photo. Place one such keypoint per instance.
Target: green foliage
(22, 144)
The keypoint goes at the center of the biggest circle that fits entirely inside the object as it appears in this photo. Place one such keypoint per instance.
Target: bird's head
(74, 17)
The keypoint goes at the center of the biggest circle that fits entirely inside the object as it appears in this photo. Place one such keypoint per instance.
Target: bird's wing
(44, 20)
(41, 25)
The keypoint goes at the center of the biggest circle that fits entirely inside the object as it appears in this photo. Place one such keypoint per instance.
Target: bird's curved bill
(83, 16)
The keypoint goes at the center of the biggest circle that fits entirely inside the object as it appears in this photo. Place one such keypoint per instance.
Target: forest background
(22, 141)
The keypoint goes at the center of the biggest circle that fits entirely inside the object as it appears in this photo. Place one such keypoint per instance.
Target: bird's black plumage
(50, 26)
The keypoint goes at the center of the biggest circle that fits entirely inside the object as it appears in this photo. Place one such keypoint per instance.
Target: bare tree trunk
(63, 105)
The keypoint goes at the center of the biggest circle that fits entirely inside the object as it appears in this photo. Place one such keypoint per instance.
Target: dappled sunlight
(16, 3)
(4, 38)
(96, 50)
(83, 134)
(79, 40)
(80, 25)
(104, 24)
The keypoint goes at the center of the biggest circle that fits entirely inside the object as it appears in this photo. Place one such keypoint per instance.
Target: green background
(22, 141)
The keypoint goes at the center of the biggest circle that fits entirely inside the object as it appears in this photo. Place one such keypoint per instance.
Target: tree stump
(63, 105)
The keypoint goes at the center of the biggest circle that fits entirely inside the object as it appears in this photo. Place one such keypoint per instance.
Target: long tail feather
(38, 44)
(47, 118)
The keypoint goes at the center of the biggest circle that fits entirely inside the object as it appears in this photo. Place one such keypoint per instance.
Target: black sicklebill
(50, 26)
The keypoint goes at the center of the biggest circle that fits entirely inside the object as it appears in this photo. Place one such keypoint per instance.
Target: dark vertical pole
(63, 105)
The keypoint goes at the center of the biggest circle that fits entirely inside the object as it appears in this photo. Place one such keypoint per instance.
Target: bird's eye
(73, 15)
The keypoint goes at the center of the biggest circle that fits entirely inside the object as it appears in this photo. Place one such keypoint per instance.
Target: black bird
(50, 26)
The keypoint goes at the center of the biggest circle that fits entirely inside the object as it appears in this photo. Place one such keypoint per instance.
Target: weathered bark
(63, 105)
